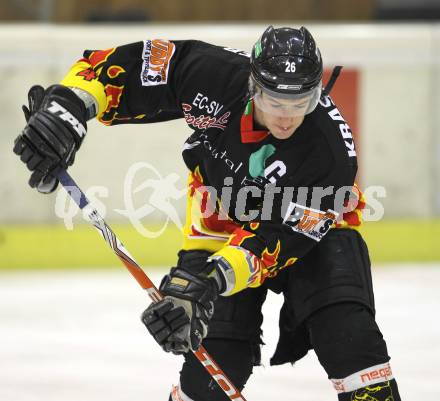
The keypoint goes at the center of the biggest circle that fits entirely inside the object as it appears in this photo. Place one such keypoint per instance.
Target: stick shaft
(141, 277)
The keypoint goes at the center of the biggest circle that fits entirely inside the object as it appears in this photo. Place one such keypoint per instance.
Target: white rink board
(77, 336)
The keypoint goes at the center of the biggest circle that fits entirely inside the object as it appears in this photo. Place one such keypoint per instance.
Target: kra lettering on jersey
(343, 126)
(202, 102)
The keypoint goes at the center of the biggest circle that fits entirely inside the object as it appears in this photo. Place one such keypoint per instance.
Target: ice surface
(76, 335)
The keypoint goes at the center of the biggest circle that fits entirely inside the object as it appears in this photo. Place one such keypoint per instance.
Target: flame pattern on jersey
(353, 217)
(214, 234)
(212, 219)
(101, 76)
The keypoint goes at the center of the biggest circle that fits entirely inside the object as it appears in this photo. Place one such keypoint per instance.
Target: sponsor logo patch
(374, 380)
(309, 222)
(384, 373)
(289, 87)
(203, 122)
(60, 111)
(157, 54)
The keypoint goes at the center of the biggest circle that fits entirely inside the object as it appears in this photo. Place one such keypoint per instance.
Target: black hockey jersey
(257, 201)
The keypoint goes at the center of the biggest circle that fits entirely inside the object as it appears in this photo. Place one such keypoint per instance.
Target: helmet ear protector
(286, 72)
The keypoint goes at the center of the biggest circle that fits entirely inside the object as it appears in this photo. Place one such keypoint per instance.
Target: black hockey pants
(329, 307)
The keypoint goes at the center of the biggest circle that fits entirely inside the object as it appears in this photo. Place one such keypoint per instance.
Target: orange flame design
(239, 236)
(270, 259)
(114, 71)
(254, 226)
(114, 94)
(100, 56)
(195, 179)
(353, 218)
(289, 262)
(212, 222)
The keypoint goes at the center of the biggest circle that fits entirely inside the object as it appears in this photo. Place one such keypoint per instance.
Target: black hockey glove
(56, 126)
(180, 321)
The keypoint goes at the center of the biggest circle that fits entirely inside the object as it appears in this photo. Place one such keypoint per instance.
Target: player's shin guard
(373, 384)
(352, 350)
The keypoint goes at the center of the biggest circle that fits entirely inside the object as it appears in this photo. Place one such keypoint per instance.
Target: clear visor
(287, 105)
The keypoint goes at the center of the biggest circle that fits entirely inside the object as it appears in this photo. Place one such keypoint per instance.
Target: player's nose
(285, 120)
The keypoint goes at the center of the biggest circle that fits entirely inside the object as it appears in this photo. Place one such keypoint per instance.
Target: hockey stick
(109, 236)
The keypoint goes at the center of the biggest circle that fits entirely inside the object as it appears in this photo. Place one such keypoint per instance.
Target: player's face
(280, 116)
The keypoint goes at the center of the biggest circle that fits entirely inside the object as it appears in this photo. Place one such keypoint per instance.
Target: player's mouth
(284, 129)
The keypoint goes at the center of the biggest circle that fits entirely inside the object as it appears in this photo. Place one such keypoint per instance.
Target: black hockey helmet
(287, 64)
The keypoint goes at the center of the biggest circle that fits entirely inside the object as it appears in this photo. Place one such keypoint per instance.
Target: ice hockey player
(270, 161)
